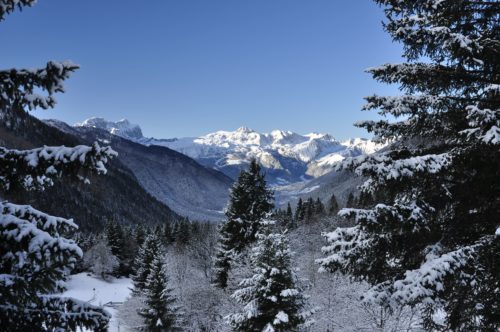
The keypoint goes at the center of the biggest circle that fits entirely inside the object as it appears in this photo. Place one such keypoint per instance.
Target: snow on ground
(96, 291)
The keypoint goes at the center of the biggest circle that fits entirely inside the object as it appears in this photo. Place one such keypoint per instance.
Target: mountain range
(156, 180)
(286, 157)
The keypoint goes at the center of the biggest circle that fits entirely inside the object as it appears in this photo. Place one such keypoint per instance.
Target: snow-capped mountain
(122, 128)
(287, 157)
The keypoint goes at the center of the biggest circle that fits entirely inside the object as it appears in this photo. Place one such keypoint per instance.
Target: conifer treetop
(8, 6)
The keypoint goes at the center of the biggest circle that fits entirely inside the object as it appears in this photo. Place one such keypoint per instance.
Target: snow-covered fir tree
(435, 240)
(183, 231)
(35, 254)
(271, 297)
(333, 205)
(351, 201)
(151, 247)
(300, 211)
(140, 234)
(161, 313)
(122, 245)
(249, 202)
(319, 207)
(115, 238)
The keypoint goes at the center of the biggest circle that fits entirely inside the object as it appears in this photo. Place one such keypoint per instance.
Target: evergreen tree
(167, 235)
(300, 212)
(161, 313)
(272, 301)
(151, 247)
(174, 229)
(183, 231)
(333, 205)
(289, 216)
(309, 208)
(114, 235)
(351, 201)
(119, 248)
(319, 208)
(35, 253)
(223, 259)
(365, 200)
(139, 234)
(436, 240)
(250, 201)
(289, 213)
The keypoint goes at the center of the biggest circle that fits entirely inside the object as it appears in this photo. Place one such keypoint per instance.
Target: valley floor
(96, 291)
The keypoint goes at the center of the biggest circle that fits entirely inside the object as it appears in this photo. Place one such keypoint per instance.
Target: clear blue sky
(189, 67)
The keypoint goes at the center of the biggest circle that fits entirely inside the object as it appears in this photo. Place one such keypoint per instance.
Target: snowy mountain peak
(286, 156)
(122, 128)
(363, 144)
(245, 130)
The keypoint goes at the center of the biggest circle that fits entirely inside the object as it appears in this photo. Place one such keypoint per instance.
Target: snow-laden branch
(399, 212)
(18, 86)
(53, 225)
(484, 124)
(35, 259)
(383, 167)
(424, 284)
(28, 236)
(425, 28)
(57, 312)
(406, 104)
(36, 168)
(344, 243)
(8, 6)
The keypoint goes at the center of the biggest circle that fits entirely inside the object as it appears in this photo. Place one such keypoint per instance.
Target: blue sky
(189, 67)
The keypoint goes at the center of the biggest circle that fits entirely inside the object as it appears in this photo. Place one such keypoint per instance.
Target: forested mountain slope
(189, 188)
(118, 195)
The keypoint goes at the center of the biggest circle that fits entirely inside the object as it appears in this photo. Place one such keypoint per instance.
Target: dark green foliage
(309, 211)
(333, 206)
(139, 234)
(8, 6)
(161, 314)
(250, 201)
(183, 232)
(115, 238)
(365, 200)
(151, 247)
(122, 245)
(222, 263)
(300, 211)
(272, 300)
(351, 201)
(289, 213)
(319, 208)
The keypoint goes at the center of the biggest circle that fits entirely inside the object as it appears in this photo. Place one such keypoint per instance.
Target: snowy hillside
(84, 287)
(286, 156)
